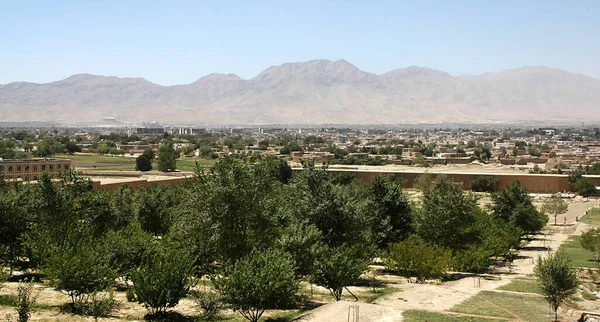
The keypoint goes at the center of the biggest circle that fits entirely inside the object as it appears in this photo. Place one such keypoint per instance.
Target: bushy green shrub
(485, 184)
(338, 268)
(414, 257)
(81, 271)
(130, 295)
(208, 302)
(259, 281)
(163, 278)
(25, 300)
(101, 305)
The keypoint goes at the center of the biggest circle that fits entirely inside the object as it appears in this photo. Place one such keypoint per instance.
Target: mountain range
(314, 92)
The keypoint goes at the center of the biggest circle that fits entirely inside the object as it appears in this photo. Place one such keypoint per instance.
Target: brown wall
(535, 183)
(135, 184)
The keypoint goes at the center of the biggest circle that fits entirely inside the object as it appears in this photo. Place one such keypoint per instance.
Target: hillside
(314, 92)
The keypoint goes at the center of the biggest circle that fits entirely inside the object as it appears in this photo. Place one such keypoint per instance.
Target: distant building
(146, 130)
(32, 169)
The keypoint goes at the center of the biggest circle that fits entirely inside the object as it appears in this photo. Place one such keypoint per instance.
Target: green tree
(414, 257)
(81, 270)
(285, 171)
(72, 147)
(585, 186)
(485, 184)
(590, 240)
(337, 211)
(514, 205)
(188, 150)
(128, 247)
(15, 222)
(143, 163)
(155, 205)
(483, 152)
(240, 202)
(392, 213)
(303, 242)
(339, 268)
(260, 281)
(557, 279)
(163, 279)
(167, 158)
(446, 216)
(424, 181)
(555, 206)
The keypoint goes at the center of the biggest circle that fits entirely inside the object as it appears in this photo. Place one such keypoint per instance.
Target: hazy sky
(177, 42)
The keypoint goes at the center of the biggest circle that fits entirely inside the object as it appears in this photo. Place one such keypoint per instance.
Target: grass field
(524, 285)
(572, 247)
(421, 316)
(592, 218)
(505, 305)
(579, 256)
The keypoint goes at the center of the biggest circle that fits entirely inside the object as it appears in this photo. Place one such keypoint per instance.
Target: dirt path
(443, 297)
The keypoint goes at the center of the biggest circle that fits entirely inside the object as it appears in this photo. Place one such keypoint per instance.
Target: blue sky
(177, 42)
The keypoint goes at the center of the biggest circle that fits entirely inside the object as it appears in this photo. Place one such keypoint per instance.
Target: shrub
(484, 184)
(25, 301)
(414, 257)
(130, 295)
(476, 259)
(338, 268)
(208, 302)
(557, 279)
(259, 281)
(81, 271)
(163, 278)
(101, 305)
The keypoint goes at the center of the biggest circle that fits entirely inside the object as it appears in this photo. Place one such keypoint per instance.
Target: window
(43, 167)
(18, 168)
(52, 167)
(35, 168)
(27, 178)
(10, 168)
(27, 168)
(1, 168)
(58, 167)
(66, 167)
(35, 178)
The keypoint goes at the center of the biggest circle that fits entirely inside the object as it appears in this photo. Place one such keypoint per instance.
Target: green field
(422, 316)
(524, 285)
(579, 256)
(505, 305)
(572, 247)
(592, 218)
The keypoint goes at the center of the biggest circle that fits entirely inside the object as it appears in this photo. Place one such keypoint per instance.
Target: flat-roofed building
(32, 169)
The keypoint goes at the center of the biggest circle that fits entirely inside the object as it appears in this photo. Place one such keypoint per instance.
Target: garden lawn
(421, 316)
(579, 256)
(592, 218)
(524, 285)
(506, 305)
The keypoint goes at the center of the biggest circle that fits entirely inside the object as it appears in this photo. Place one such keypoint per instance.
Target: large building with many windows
(32, 169)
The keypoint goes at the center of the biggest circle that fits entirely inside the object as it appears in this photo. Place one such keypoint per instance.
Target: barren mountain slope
(319, 91)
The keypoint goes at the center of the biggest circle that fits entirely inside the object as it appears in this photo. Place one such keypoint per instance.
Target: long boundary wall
(534, 183)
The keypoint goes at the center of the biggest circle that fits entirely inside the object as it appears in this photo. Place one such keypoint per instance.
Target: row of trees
(254, 230)
(167, 158)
